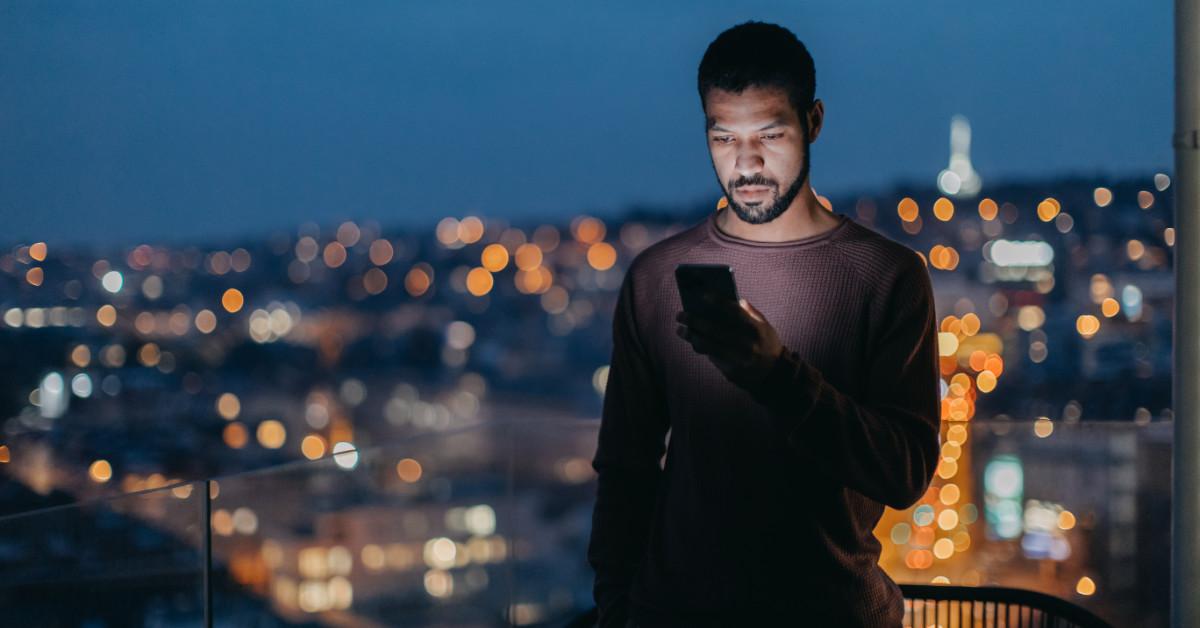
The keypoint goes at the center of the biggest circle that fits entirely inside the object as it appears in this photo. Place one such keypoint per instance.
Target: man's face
(759, 149)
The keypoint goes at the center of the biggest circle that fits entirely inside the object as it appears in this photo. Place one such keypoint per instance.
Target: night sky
(165, 121)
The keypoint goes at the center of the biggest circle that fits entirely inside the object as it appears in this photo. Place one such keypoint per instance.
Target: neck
(803, 218)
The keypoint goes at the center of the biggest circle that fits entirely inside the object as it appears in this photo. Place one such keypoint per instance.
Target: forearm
(887, 451)
(621, 522)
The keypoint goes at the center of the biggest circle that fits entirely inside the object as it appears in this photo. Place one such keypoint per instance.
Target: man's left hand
(739, 341)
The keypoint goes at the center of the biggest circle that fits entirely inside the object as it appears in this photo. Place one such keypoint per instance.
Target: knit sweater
(764, 509)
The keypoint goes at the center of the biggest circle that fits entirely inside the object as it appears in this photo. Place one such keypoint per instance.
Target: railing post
(208, 605)
(1185, 511)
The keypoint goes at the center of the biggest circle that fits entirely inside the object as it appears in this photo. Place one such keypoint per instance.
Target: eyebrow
(712, 126)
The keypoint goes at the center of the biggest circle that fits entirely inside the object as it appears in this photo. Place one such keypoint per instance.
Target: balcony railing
(487, 525)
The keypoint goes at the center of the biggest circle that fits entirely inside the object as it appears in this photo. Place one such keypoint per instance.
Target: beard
(762, 213)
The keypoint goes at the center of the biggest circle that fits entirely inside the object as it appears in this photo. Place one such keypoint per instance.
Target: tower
(959, 179)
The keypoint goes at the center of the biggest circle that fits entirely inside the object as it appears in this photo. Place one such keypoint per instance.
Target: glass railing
(487, 525)
(133, 560)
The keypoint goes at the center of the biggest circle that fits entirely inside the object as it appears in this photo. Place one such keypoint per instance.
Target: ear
(815, 119)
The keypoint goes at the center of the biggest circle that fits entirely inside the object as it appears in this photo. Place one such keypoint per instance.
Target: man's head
(757, 85)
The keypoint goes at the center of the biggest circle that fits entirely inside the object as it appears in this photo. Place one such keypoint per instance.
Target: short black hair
(761, 55)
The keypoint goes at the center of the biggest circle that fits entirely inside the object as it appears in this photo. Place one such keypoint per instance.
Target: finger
(731, 350)
(752, 311)
(736, 325)
(736, 335)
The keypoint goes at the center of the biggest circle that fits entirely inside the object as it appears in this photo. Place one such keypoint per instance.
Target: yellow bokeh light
(960, 384)
(271, 434)
(988, 209)
(947, 519)
(947, 468)
(1066, 520)
(479, 281)
(722, 203)
(1087, 325)
(375, 281)
(976, 359)
(1030, 317)
(947, 344)
(228, 406)
(37, 251)
(995, 364)
(949, 495)
(1048, 209)
(348, 233)
(409, 470)
(106, 315)
(587, 229)
(149, 354)
(494, 257)
(100, 471)
(1145, 199)
(447, 230)
(985, 381)
(1043, 427)
(470, 230)
(907, 209)
(5, 455)
(306, 249)
(206, 321)
(418, 280)
(1085, 586)
(1110, 307)
(381, 252)
(334, 254)
(232, 300)
(313, 446)
(601, 256)
(35, 276)
(235, 435)
(970, 324)
(222, 522)
(81, 356)
(943, 209)
(943, 549)
(1102, 197)
(1135, 249)
(528, 256)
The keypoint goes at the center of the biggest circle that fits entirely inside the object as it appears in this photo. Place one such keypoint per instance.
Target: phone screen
(705, 289)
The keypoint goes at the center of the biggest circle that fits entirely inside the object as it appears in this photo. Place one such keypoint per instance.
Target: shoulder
(657, 262)
(881, 261)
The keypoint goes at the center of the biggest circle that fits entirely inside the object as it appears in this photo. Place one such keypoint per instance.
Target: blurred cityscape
(272, 364)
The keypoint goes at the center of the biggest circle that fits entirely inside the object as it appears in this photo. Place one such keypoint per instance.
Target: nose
(749, 159)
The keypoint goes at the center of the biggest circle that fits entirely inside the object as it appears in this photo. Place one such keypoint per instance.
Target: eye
(722, 139)
(773, 136)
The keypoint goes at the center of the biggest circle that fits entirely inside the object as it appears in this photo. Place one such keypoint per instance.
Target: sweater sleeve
(883, 444)
(633, 427)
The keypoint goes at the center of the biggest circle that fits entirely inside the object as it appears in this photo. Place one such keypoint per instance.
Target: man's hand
(739, 341)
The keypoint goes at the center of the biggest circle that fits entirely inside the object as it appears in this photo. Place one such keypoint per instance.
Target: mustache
(756, 180)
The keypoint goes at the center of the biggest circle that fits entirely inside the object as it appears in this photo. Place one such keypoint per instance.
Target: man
(794, 419)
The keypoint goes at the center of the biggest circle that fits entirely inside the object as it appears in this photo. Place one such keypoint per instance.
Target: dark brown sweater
(763, 514)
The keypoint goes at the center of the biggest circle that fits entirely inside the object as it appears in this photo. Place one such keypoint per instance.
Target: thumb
(750, 309)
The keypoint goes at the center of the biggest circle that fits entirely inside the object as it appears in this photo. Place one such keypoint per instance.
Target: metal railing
(987, 607)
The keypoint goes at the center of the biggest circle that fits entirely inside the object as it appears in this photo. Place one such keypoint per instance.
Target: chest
(819, 310)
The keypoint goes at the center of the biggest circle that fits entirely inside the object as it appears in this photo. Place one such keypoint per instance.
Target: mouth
(752, 190)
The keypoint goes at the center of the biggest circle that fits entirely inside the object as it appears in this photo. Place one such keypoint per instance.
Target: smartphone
(706, 288)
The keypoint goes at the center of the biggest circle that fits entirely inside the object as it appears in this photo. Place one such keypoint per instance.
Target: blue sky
(169, 120)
